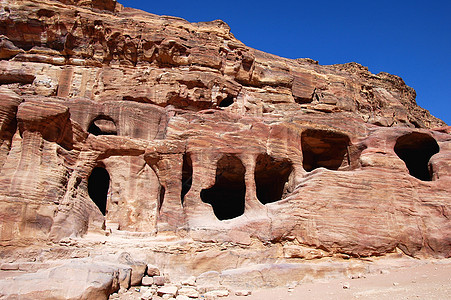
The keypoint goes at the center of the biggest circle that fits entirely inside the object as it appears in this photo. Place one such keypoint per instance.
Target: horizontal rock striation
(114, 118)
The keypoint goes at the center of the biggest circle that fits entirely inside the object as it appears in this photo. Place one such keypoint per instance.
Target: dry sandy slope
(427, 281)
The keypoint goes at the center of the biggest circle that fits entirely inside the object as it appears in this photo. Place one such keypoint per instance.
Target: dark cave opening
(227, 196)
(98, 185)
(270, 177)
(187, 175)
(226, 102)
(322, 148)
(416, 149)
(102, 125)
(161, 197)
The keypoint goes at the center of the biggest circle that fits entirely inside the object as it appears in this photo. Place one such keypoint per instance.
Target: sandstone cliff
(115, 117)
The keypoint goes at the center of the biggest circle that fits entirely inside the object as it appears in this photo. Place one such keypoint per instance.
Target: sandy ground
(428, 281)
(394, 279)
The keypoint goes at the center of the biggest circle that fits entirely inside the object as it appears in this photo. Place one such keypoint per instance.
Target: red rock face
(153, 124)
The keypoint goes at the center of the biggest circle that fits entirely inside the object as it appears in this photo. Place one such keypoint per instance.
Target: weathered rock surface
(138, 269)
(74, 280)
(176, 138)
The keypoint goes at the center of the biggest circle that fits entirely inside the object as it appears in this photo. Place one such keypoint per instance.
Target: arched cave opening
(270, 177)
(102, 125)
(322, 148)
(227, 196)
(416, 149)
(98, 186)
(226, 102)
(187, 175)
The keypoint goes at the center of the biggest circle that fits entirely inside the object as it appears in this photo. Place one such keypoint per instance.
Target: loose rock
(153, 270)
(159, 280)
(168, 290)
(191, 281)
(243, 293)
(217, 293)
(147, 281)
(189, 292)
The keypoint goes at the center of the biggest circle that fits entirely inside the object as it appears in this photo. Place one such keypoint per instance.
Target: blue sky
(411, 39)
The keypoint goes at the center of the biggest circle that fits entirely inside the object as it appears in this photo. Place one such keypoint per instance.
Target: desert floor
(425, 281)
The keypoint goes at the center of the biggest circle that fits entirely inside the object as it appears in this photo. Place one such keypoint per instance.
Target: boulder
(170, 290)
(216, 293)
(73, 280)
(189, 292)
(138, 269)
(191, 281)
(153, 270)
(147, 281)
(159, 280)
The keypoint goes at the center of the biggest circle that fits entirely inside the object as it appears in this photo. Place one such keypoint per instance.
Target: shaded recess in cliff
(102, 125)
(187, 175)
(161, 197)
(416, 149)
(227, 196)
(98, 185)
(322, 148)
(271, 175)
(189, 104)
(226, 102)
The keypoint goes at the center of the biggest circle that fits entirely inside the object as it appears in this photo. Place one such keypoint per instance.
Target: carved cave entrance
(161, 194)
(226, 102)
(227, 196)
(270, 178)
(416, 149)
(102, 125)
(98, 186)
(321, 148)
(187, 175)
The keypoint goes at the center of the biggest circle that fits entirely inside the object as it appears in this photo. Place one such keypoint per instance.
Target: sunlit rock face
(116, 117)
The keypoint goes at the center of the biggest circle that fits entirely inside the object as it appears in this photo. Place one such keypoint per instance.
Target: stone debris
(357, 276)
(147, 295)
(168, 290)
(152, 271)
(217, 293)
(189, 292)
(147, 281)
(191, 281)
(125, 274)
(159, 280)
(243, 293)
(138, 268)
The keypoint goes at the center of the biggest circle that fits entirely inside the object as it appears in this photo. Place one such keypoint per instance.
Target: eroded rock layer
(114, 118)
